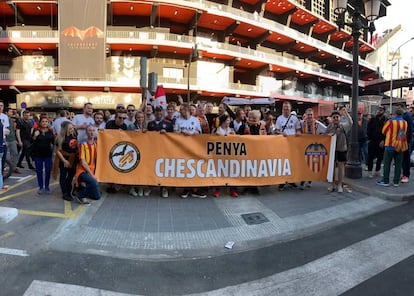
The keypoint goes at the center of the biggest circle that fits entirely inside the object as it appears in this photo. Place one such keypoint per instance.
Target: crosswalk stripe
(330, 275)
(38, 288)
(14, 252)
(335, 273)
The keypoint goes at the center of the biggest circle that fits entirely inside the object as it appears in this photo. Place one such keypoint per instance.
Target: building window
(175, 73)
(318, 7)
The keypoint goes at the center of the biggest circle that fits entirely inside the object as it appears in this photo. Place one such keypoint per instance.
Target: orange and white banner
(132, 158)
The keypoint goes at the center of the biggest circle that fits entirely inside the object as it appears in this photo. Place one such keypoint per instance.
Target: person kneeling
(87, 184)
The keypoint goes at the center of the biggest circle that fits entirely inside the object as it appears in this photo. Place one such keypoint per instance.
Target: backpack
(401, 144)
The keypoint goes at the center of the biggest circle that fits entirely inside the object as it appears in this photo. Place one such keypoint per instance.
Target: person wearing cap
(341, 148)
(162, 126)
(376, 141)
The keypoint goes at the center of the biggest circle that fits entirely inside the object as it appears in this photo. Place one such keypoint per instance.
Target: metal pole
(188, 81)
(392, 67)
(353, 167)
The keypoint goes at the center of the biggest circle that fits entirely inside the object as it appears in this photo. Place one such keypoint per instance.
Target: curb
(386, 195)
(7, 214)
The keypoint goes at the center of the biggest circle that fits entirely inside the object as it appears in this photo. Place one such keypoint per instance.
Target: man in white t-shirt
(81, 121)
(187, 124)
(190, 126)
(57, 123)
(5, 121)
(287, 124)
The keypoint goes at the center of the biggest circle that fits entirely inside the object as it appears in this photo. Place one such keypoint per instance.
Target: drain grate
(254, 218)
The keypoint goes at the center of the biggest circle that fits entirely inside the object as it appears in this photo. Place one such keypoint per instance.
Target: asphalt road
(274, 266)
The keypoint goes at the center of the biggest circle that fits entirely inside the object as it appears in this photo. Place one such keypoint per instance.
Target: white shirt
(80, 119)
(5, 121)
(224, 132)
(191, 125)
(57, 124)
(291, 126)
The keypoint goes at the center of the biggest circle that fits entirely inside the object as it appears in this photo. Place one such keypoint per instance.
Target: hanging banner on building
(151, 158)
(82, 39)
(76, 99)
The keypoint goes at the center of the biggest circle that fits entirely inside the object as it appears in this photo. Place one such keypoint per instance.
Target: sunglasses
(130, 110)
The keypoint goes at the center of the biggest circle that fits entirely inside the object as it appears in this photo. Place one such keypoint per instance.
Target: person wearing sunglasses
(119, 121)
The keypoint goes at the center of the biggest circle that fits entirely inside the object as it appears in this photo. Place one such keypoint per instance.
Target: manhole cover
(254, 218)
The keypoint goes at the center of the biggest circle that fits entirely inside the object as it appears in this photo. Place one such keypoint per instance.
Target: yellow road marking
(68, 212)
(22, 192)
(17, 194)
(17, 184)
(7, 234)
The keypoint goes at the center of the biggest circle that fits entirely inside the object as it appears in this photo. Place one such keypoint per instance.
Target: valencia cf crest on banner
(316, 157)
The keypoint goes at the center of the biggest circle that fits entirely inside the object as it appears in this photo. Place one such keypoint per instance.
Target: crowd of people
(66, 148)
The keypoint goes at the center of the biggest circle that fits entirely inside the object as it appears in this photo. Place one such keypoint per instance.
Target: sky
(399, 12)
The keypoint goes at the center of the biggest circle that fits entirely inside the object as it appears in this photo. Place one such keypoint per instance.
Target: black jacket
(374, 129)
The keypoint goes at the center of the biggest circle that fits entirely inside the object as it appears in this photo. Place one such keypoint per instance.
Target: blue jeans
(88, 187)
(363, 152)
(39, 162)
(1, 166)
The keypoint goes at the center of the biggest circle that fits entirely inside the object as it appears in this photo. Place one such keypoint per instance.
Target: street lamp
(359, 21)
(392, 67)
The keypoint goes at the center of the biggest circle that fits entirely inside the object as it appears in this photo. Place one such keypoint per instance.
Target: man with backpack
(405, 178)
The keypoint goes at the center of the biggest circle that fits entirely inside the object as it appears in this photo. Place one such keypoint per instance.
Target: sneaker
(308, 184)
(32, 167)
(293, 185)
(85, 202)
(198, 194)
(216, 193)
(4, 187)
(140, 192)
(233, 193)
(404, 179)
(185, 194)
(40, 191)
(396, 185)
(340, 189)
(281, 187)
(302, 186)
(164, 192)
(16, 171)
(370, 175)
(147, 192)
(19, 165)
(76, 198)
(331, 188)
(133, 192)
(382, 183)
(47, 191)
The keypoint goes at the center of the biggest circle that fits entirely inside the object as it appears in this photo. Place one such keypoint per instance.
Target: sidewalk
(155, 228)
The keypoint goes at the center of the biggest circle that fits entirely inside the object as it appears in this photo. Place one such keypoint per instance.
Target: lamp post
(359, 21)
(392, 67)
